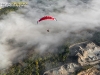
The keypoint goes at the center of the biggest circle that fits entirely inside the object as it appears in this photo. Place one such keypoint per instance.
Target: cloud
(20, 33)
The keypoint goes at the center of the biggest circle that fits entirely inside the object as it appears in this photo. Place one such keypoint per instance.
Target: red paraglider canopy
(46, 18)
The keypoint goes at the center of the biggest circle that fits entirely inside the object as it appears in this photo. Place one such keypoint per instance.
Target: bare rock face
(87, 53)
(91, 71)
(57, 71)
(63, 70)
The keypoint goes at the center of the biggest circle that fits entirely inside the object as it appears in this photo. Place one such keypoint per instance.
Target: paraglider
(48, 30)
(46, 18)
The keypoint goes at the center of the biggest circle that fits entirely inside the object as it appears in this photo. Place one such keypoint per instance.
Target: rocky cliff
(91, 71)
(82, 56)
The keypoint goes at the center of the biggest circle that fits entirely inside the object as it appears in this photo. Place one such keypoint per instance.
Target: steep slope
(87, 53)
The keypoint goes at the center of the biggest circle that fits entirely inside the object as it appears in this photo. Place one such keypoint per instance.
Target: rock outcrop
(87, 53)
(63, 70)
(91, 71)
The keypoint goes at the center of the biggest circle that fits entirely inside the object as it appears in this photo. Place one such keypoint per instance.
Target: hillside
(82, 56)
(68, 46)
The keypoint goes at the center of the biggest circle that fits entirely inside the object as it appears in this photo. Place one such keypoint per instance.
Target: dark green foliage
(6, 10)
(96, 38)
(37, 66)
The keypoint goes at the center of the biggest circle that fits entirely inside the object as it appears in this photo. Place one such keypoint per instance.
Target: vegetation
(96, 38)
(6, 10)
(40, 64)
